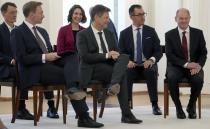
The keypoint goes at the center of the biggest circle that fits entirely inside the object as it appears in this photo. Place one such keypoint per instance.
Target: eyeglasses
(140, 14)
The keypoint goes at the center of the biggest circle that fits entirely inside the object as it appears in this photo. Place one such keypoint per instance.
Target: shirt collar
(135, 28)
(9, 27)
(187, 30)
(95, 31)
(29, 24)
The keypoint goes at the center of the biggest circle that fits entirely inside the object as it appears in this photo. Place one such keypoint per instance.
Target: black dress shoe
(180, 114)
(191, 113)
(130, 119)
(24, 114)
(52, 113)
(88, 122)
(156, 110)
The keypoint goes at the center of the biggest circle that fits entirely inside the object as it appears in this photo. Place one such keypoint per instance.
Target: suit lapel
(92, 38)
(28, 32)
(192, 39)
(130, 38)
(178, 39)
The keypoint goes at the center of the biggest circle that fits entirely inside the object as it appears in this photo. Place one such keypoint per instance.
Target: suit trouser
(112, 72)
(174, 74)
(56, 73)
(150, 74)
(70, 64)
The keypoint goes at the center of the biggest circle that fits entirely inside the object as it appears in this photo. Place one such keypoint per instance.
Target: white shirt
(9, 27)
(135, 30)
(30, 26)
(95, 31)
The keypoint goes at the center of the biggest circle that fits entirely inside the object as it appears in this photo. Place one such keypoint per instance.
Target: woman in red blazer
(66, 48)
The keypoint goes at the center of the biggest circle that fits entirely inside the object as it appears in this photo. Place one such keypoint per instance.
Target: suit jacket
(150, 43)
(5, 51)
(89, 52)
(28, 53)
(198, 51)
(65, 40)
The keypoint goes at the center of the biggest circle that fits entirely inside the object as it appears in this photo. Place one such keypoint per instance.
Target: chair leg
(94, 90)
(35, 106)
(199, 106)
(40, 105)
(64, 104)
(17, 98)
(57, 100)
(165, 100)
(103, 104)
(13, 99)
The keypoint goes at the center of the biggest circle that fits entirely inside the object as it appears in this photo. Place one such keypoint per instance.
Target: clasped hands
(147, 64)
(113, 55)
(52, 56)
(194, 68)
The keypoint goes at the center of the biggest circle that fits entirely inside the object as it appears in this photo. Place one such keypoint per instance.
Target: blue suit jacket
(28, 53)
(5, 51)
(150, 43)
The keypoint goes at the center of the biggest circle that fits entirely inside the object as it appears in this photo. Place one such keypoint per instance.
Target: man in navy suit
(7, 61)
(186, 55)
(142, 44)
(39, 64)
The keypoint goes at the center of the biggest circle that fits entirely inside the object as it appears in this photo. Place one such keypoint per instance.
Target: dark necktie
(184, 45)
(139, 47)
(40, 41)
(102, 43)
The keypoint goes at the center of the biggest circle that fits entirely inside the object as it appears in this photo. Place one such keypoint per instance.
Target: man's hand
(148, 63)
(113, 55)
(195, 71)
(193, 65)
(51, 56)
(131, 64)
(13, 62)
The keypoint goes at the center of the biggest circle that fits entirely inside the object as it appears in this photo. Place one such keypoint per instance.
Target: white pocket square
(147, 37)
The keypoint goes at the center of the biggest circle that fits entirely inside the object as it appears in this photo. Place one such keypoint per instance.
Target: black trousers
(174, 74)
(149, 74)
(112, 72)
(54, 73)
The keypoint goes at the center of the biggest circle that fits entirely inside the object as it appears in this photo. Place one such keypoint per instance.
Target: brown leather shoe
(2, 126)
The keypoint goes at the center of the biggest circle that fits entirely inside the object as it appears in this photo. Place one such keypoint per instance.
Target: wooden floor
(140, 99)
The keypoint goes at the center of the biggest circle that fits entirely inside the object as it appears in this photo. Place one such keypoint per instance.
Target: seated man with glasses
(142, 44)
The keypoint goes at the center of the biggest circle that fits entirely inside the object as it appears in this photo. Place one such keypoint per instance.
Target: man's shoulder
(146, 27)
(127, 29)
(196, 30)
(172, 31)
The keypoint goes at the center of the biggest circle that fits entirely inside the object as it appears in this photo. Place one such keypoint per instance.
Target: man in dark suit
(7, 61)
(101, 61)
(142, 45)
(39, 64)
(186, 55)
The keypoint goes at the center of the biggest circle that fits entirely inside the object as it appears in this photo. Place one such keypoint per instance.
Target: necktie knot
(100, 33)
(138, 29)
(184, 32)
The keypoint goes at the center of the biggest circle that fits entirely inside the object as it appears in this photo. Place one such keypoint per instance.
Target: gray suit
(95, 66)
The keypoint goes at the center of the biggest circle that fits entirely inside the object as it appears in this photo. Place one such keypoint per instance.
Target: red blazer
(65, 39)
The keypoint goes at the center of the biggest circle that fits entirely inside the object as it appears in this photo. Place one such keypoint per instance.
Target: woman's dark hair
(71, 11)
